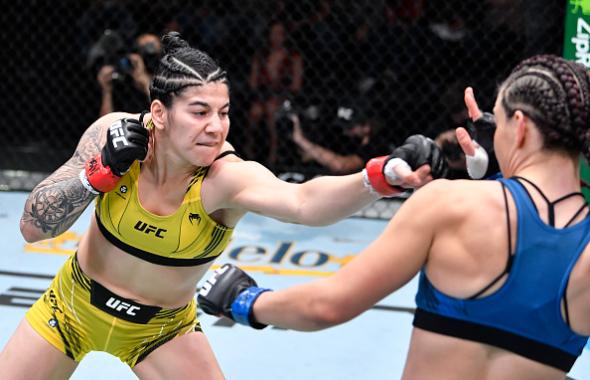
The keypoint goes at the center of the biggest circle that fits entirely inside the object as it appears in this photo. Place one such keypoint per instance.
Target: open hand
(463, 138)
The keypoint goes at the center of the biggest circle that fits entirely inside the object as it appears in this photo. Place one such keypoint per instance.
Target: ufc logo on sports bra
(119, 305)
(149, 229)
(116, 131)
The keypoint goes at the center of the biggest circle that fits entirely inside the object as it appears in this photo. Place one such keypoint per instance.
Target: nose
(215, 124)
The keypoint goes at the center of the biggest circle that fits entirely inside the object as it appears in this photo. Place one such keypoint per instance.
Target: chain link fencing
(356, 77)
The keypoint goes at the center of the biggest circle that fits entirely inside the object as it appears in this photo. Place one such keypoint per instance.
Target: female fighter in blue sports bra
(504, 290)
(168, 194)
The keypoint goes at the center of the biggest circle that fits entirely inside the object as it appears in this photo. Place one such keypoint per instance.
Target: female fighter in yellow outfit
(168, 193)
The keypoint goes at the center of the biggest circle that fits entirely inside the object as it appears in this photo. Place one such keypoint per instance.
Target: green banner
(576, 47)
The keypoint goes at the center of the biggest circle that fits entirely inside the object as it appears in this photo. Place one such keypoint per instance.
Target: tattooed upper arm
(57, 202)
(89, 145)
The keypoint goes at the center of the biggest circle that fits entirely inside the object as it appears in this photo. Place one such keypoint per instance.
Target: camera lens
(125, 65)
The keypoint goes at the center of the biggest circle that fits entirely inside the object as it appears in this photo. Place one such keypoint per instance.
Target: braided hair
(555, 94)
(182, 66)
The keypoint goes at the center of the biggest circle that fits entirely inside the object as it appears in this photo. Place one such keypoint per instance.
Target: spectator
(357, 130)
(276, 74)
(124, 81)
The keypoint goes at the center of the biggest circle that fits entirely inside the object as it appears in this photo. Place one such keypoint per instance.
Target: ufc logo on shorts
(119, 306)
(116, 131)
(206, 288)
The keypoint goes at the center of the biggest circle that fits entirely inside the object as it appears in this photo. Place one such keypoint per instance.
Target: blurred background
(317, 86)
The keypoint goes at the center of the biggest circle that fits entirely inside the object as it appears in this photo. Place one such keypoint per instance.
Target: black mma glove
(231, 292)
(127, 141)
(483, 130)
(483, 163)
(418, 150)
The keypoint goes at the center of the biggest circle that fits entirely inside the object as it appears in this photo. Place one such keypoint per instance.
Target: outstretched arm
(387, 264)
(57, 202)
(384, 266)
(249, 186)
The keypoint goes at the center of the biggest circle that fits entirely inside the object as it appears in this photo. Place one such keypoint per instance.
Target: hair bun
(172, 41)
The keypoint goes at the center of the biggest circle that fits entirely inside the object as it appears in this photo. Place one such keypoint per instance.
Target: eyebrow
(204, 104)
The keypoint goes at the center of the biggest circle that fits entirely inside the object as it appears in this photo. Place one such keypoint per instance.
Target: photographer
(357, 131)
(358, 142)
(124, 76)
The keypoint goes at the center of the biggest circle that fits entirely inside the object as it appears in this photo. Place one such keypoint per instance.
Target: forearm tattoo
(54, 208)
(57, 202)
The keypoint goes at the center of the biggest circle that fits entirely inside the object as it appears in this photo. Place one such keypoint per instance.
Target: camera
(283, 117)
(150, 53)
(110, 49)
(308, 115)
(123, 68)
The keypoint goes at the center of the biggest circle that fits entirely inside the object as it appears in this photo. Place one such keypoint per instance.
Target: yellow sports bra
(187, 237)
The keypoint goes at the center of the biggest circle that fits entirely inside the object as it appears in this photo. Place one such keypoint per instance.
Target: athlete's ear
(521, 127)
(158, 113)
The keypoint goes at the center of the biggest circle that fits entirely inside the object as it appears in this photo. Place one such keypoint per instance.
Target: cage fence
(350, 78)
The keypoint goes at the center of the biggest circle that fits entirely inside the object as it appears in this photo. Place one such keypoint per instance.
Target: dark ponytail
(172, 42)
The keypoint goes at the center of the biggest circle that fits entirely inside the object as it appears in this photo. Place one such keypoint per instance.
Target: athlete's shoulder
(107, 120)
(228, 154)
(234, 168)
(450, 186)
(230, 175)
(459, 193)
(114, 116)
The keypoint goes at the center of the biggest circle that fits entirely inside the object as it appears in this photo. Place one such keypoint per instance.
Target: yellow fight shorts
(78, 315)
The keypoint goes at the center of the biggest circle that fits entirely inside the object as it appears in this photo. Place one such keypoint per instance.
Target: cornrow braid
(180, 67)
(555, 93)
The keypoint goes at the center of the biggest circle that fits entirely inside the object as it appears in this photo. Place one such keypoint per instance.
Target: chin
(203, 161)
(206, 157)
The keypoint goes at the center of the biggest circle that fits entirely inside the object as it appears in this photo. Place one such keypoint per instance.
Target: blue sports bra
(524, 314)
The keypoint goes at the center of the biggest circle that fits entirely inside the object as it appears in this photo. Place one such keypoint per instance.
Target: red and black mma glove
(416, 151)
(127, 141)
(231, 292)
(374, 178)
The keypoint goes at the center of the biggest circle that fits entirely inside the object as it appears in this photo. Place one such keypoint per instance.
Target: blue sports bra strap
(550, 210)
(577, 213)
(551, 205)
(568, 196)
(565, 306)
(510, 255)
